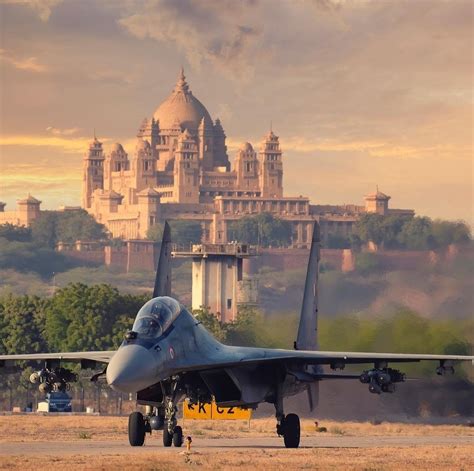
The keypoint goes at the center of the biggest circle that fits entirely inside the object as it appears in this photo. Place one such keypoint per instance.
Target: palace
(180, 169)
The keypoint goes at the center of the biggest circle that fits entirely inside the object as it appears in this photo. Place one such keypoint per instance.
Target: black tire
(291, 433)
(167, 437)
(136, 429)
(178, 436)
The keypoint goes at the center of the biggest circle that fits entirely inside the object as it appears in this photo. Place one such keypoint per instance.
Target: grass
(337, 431)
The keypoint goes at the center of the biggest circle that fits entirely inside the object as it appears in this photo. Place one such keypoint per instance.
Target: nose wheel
(175, 438)
(172, 433)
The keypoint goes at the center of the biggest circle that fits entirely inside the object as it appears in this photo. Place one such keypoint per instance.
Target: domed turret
(117, 147)
(181, 107)
(246, 147)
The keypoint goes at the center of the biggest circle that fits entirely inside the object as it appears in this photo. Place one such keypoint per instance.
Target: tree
(52, 227)
(27, 256)
(369, 227)
(15, 233)
(211, 323)
(336, 241)
(413, 233)
(81, 317)
(186, 232)
(263, 229)
(391, 227)
(182, 232)
(450, 232)
(78, 225)
(417, 234)
(43, 229)
(155, 232)
(21, 324)
(244, 330)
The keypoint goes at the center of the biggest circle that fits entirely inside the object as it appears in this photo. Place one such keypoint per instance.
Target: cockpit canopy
(156, 316)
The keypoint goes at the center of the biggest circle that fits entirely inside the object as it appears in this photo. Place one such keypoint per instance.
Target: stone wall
(291, 259)
(142, 255)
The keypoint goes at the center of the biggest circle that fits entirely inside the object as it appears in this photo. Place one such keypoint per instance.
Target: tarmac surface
(117, 447)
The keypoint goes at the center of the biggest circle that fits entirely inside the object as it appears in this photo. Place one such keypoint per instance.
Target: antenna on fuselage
(307, 338)
(163, 270)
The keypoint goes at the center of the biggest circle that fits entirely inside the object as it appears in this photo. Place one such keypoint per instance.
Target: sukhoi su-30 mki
(168, 355)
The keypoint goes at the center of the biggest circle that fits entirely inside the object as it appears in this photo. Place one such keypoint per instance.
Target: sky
(361, 92)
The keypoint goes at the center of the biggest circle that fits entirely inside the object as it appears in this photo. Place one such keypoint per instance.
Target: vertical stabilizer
(163, 270)
(308, 329)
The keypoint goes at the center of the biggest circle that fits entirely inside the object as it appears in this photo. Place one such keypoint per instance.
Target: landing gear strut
(287, 426)
(172, 433)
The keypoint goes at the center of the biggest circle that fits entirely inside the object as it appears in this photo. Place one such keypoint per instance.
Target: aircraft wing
(100, 357)
(324, 358)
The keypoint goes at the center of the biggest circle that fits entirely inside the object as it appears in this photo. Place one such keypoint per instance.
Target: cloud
(371, 148)
(42, 7)
(62, 132)
(224, 33)
(78, 144)
(48, 187)
(30, 64)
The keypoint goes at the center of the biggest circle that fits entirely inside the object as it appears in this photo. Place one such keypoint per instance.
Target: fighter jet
(168, 355)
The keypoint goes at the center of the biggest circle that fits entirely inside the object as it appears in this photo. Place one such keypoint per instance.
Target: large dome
(181, 108)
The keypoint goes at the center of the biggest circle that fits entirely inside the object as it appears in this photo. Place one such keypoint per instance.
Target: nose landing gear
(172, 433)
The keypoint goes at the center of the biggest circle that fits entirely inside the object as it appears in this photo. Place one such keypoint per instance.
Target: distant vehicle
(169, 355)
(56, 402)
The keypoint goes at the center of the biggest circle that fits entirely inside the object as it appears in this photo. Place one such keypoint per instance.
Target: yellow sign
(206, 411)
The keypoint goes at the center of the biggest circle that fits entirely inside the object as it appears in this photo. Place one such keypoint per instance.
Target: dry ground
(20, 428)
(29, 428)
(374, 459)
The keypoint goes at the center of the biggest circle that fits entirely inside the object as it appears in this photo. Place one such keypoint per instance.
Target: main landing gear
(136, 429)
(157, 418)
(287, 426)
(139, 425)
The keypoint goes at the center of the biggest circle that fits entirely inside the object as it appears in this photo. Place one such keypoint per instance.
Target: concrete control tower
(222, 278)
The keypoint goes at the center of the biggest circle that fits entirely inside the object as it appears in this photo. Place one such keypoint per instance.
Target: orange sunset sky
(360, 92)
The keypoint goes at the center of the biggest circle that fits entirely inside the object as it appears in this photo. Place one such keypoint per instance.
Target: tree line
(412, 233)
(33, 248)
(79, 317)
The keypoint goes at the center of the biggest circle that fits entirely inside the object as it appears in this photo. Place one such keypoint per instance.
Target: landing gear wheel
(178, 436)
(167, 437)
(136, 429)
(291, 431)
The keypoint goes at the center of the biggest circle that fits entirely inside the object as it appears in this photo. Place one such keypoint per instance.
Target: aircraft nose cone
(131, 369)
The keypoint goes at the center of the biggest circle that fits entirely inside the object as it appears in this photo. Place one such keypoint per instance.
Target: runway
(120, 447)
